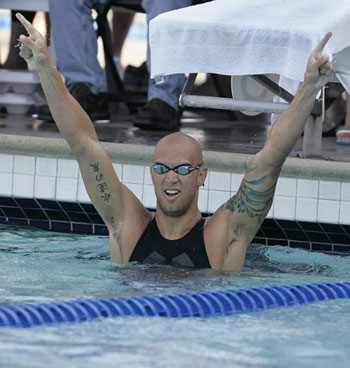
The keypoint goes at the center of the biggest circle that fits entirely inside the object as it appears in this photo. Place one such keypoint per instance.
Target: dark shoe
(330, 127)
(157, 115)
(43, 113)
(136, 78)
(95, 105)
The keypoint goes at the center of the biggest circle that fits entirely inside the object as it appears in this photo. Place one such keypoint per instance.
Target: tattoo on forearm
(101, 185)
(250, 200)
(250, 169)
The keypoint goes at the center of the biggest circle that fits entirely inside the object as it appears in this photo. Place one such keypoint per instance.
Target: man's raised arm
(242, 215)
(113, 200)
(285, 132)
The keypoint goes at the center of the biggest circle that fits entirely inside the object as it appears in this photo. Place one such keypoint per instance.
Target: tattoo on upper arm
(100, 183)
(250, 200)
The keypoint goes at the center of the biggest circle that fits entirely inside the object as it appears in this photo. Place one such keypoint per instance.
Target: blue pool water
(38, 266)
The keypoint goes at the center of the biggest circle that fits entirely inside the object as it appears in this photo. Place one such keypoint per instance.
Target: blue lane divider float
(200, 304)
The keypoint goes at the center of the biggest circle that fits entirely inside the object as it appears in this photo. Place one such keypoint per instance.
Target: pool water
(39, 266)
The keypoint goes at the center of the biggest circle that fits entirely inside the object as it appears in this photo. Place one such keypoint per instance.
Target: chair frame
(115, 85)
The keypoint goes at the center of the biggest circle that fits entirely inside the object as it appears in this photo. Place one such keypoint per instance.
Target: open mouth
(171, 193)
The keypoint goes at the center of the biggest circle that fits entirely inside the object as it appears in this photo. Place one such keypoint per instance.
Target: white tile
(6, 180)
(67, 168)
(24, 164)
(118, 168)
(306, 209)
(286, 187)
(137, 189)
(217, 199)
(82, 193)
(307, 188)
(45, 187)
(328, 211)
(284, 208)
(270, 213)
(23, 185)
(345, 192)
(148, 179)
(6, 163)
(219, 181)
(46, 166)
(344, 217)
(66, 189)
(329, 190)
(203, 200)
(133, 174)
(149, 199)
(236, 180)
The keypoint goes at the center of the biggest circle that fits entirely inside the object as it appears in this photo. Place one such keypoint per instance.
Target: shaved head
(180, 146)
(178, 194)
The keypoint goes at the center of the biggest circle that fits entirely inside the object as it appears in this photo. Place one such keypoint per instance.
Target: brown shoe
(157, 115)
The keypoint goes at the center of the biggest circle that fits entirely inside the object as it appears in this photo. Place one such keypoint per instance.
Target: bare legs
(343, 135)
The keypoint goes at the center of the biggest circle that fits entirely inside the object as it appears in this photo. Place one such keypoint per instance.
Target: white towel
(243, 37)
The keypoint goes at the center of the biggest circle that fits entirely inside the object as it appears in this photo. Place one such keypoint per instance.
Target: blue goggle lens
(181, 170)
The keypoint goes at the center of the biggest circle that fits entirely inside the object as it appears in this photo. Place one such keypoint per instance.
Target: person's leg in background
(121, 25)
(76, 43)
(162, 109)
(14, 61)
(343, 135)
(76, 53)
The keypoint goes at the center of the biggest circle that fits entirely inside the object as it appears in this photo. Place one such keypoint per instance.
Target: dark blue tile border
(323, 247)
(50, 205)
(27, 203)
(341, 248)
(7, 201)
(82, 218)
(43, 225)
(82, 228)
(101, 230)
(17, 221)
(60, 226)
(300, 244)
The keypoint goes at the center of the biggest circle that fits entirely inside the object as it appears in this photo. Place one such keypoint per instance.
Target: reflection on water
(69, 266)
(41, 267)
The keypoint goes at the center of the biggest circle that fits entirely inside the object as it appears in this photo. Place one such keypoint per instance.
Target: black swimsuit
(188, 251)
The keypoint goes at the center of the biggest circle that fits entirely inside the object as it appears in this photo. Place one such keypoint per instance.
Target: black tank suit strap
(188, 251)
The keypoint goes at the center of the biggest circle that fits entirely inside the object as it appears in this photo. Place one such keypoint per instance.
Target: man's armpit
(237, 231)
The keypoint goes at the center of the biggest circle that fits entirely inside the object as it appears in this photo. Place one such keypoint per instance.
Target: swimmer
(176, 233)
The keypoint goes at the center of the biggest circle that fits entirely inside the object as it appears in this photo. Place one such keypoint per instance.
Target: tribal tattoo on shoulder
(250, 200)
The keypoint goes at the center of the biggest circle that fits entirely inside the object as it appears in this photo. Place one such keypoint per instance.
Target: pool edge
(142, 155)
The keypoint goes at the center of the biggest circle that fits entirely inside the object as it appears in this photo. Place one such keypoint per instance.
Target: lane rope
(199, 304)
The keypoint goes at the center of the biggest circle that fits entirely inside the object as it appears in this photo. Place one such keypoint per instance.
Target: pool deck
(228, 144)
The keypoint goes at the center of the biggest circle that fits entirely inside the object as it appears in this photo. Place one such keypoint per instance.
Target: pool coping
(142, 155)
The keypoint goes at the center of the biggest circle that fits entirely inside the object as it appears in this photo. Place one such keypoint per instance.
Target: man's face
(176, 193)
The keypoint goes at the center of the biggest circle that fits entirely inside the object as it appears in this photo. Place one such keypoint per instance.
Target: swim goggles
(181, 169)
